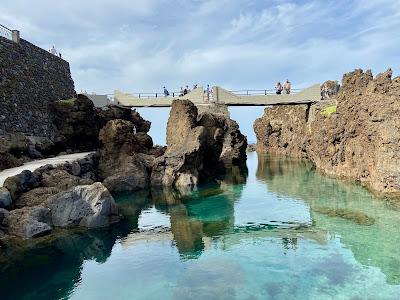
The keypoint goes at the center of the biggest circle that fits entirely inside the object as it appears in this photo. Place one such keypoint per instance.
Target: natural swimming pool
(281, 231)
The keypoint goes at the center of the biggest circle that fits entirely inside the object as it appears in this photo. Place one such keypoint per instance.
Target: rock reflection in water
(224, 240)
(339, 208)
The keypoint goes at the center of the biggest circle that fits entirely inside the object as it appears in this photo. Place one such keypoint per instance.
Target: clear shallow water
(282, 232)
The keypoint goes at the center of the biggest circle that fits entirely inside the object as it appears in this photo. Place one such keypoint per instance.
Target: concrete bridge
(221, 96)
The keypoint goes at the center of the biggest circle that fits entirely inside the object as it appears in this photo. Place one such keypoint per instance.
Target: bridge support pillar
(215, 92)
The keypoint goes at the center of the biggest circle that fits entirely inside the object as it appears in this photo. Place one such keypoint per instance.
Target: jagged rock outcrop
(329, 89)
(194, 146)
(355, 135)
(121, 166)
(235, 143)
(79, 122)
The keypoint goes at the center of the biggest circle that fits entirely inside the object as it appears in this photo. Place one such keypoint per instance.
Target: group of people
(287, 87)
(183, 91)
(53, 51)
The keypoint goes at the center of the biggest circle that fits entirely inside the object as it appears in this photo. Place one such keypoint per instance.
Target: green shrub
(328, 111)
(67, 102)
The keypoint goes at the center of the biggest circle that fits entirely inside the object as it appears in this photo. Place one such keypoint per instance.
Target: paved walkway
(33, 165)
(222, 96)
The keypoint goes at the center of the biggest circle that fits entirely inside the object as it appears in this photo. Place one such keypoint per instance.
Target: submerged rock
(90, 206)
(354, 216)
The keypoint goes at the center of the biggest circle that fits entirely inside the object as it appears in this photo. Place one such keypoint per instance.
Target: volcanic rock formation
(355, 135)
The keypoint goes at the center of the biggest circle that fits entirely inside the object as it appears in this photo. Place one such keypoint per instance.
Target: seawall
(30, 79)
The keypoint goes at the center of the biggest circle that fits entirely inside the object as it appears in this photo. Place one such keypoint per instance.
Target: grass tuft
(328, 111)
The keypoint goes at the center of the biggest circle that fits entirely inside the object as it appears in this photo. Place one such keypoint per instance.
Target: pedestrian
(53, 50)
(181, 93)
(278, 88)
(287, 86)
(59, 54)
(166, 93)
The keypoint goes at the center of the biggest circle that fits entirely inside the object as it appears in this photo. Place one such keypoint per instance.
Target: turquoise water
(281, 232)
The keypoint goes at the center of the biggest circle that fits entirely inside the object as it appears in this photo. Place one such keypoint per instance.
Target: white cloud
(143, 45)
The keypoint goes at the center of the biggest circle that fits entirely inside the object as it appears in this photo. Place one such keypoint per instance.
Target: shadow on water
(51, 267)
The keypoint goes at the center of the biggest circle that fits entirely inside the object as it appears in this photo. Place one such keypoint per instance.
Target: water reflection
(364, 223)
(276, 218)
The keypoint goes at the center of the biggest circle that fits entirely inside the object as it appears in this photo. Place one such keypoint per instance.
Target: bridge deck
(222, 96)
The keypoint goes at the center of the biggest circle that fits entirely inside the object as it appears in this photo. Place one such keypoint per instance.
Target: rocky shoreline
(200, 146)
(353, 135)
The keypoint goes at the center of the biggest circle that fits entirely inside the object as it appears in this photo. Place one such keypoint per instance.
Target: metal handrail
(5, 32)
(264, 92)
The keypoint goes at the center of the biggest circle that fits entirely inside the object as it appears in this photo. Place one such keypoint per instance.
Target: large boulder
(77, 123)
(235, 143)
(62, 180)
(36, 196)
(120, 166)
(130, 175)
(5, 198)
(28, 222)
(7, 159)
(89, 206)
(20, 183)
(195, 143)
(113, 112)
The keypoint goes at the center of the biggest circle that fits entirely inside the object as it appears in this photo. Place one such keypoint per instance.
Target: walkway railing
(237, 93)
(5, 32)
(10, 34)
(261, 92)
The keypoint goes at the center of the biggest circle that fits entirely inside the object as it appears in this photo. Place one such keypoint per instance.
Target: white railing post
(15, 36)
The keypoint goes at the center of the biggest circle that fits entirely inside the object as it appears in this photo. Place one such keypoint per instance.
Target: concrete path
(221, 96)
(33, 165)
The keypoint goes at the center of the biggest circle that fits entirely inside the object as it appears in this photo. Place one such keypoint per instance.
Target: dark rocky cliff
(355, 135)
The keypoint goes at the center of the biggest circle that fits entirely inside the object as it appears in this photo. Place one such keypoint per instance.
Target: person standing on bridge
(287, 86)
(53, 50)
(278, 88)
(166, 93)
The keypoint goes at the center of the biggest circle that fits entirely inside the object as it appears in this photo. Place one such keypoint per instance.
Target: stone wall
(30, 79)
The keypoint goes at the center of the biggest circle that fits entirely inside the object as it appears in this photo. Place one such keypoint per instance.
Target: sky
(140, 46)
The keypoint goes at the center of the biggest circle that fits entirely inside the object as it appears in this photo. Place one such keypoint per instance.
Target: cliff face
(355, 135)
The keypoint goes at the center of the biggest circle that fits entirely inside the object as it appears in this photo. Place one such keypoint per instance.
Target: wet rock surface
(359, 138)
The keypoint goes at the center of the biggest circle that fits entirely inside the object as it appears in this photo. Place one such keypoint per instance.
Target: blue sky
(140, 46)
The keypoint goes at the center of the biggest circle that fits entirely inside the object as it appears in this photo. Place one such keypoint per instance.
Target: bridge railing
(10, 34)
(260, 92)
(5, 32)
(264, 92)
